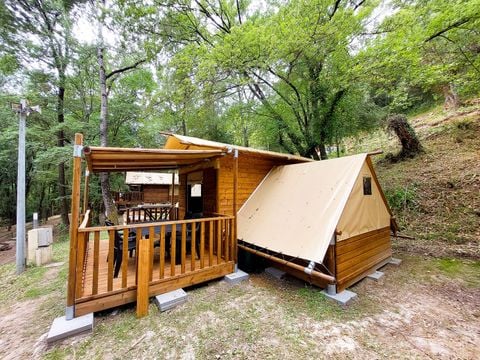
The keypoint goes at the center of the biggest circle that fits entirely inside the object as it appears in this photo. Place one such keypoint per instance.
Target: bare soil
(426, 308)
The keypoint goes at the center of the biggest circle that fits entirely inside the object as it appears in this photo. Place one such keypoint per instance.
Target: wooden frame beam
(74, 223)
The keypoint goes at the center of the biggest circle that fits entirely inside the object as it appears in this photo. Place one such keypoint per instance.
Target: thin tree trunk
(110, 208)
(62, 184)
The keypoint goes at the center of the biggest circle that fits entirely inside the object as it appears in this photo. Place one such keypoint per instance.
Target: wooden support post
(85, 191)
(172, 209)
(143, 277)
(75, 211)
(235, 199)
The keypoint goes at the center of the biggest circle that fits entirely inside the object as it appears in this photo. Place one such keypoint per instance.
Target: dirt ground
(421, 309)
(426, 308)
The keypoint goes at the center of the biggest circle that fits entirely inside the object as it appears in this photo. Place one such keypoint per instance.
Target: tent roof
(106, 159)
(296, 209)
(175, 141)
(149, 178)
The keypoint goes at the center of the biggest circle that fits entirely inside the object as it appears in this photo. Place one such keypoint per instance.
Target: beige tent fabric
(149, 178)
(363, 213)
(296, 209)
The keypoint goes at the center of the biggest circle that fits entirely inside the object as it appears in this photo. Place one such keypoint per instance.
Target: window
(367, 185)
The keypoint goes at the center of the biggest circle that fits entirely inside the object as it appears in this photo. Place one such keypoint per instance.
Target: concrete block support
(343, 298)
(236, 277)
(395, 261)
(377, 275)
(171, 299)
(62, 328)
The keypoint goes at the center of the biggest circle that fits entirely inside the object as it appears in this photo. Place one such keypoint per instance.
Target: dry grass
(426, 308)
(436, 196)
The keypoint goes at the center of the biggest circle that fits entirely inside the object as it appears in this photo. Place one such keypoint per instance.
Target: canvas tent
(300, 210)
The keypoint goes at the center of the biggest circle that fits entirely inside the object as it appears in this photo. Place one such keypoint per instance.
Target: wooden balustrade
(150, 214)
(128, 197)
(176, 248)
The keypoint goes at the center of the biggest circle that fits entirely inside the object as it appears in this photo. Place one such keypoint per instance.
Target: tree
(298, 78)
(426, 49)
(41, 31)
(106, 80)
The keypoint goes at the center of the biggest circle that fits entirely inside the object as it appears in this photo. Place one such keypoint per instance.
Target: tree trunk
(110, 208)
(452, 101)
(62, 184)
(406, 134)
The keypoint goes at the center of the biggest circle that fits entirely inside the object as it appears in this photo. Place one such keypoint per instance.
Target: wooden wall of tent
(218, 187)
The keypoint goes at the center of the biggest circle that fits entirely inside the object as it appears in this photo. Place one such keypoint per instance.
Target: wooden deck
(87, 288)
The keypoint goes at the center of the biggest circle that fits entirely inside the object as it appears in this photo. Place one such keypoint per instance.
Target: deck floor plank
(117, 282)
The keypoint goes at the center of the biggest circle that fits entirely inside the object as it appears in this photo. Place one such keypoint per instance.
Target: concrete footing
(236, 277)
(342, 298)
(395, 261)
(62, 328)
(171, 299)
(377, 275)
(276, 273)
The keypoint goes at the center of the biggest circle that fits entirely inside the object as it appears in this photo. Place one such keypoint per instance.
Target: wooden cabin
(326, 222)
(120, 264)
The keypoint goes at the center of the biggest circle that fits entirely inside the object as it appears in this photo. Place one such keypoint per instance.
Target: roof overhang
(175, 141)
(108, 159)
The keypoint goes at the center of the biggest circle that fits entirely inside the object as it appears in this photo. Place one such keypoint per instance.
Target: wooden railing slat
(96, 253)
(151, 235)
(184, 247)
(227, 240)
(111, 244)
(202, 245)
(210, 243)
(125, 258)
(161, 274)
(193, 255)
(173, 250)
(219, 242)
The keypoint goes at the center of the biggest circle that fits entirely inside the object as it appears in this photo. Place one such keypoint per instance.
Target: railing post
(75, 210)
(143, 272)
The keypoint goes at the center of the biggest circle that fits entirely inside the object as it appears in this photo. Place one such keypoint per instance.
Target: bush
(402, 199)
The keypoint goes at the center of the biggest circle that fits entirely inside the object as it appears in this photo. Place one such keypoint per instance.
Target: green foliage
(403, 198)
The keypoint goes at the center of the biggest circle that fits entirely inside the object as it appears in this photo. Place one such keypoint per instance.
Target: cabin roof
(295, 211)
(110, 159)
(149, 178)
(175, 141)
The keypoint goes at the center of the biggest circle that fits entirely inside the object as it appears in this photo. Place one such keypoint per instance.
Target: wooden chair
(118, 247)
(178, 254)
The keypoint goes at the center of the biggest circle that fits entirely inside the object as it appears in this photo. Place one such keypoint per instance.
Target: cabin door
(194, 194)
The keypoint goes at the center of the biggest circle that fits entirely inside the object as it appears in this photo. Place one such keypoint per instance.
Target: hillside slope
(436, 196)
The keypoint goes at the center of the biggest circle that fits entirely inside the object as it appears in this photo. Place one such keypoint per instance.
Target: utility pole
(23, 111)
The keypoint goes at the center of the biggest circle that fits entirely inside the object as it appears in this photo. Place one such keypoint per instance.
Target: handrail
(84, 223)
(149, 224)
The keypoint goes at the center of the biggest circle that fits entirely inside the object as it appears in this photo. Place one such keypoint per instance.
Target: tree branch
(448, 28)
(126, 68)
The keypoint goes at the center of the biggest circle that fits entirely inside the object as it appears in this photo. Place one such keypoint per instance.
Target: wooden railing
(129, 197)
(186, 246)
(151, 213)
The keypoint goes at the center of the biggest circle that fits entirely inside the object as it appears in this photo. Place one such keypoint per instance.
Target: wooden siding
(251, 171)
(360, 255)
(156, 194)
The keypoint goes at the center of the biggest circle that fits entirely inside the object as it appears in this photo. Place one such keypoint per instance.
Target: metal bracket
(87, 173)
(235, 153)
(77, 150)
(69, 312)
(308, 270)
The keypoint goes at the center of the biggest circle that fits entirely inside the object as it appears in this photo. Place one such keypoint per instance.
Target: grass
(464, 270)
